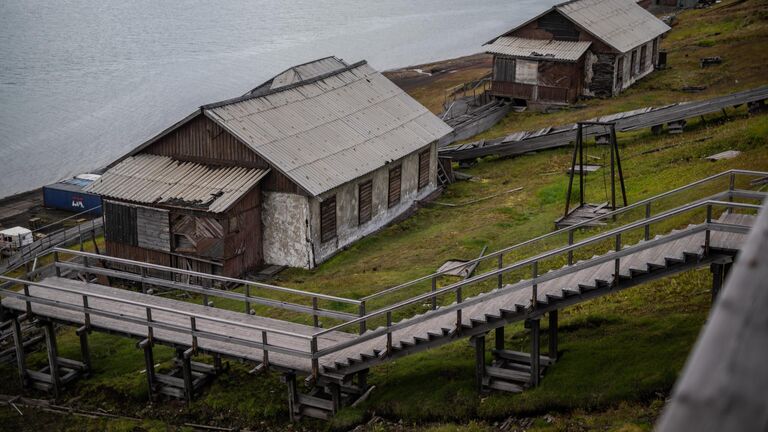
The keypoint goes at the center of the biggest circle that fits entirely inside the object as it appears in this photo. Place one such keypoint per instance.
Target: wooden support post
(553, 334)
(479, 362)
(362, 314)
(217, 366)
(186, 370)
(719, 271)
(535, 352)
(293, 394)
(18, 342)
(362, 380)
(434, 288)
(315, 319)
(499, 342)
(501, 276)
(149, 364)
(85, 352)
(53, 355)
(335, 390)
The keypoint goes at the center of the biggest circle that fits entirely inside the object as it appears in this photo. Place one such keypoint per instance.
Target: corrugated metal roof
(307, 71)
(331, 129)
(153, 179)
(621, 24)
(538, 49)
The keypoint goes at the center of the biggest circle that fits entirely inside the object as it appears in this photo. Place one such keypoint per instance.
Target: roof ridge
(249, 96)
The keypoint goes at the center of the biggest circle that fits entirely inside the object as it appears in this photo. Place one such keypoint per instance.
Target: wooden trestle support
(514, 371)
(326, 396)
(60, 371)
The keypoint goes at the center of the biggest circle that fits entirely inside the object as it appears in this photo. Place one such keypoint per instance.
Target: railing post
(143, 277)
(56, 263)
(315, 318)
(617, 263)
(27, 302)
(535, 288)
(501, 276)
(87, 320)
(247, 303)
(193, 327)
(434, 288)
(707, 234)
(731, 188)
(458, 311)
(570, 243)
(150, 330)
(389, 332)
(265, 356)
(647, 216)
(361, 313)
(315, 361)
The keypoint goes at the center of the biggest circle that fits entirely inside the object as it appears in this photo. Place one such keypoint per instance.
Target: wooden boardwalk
(337, 360)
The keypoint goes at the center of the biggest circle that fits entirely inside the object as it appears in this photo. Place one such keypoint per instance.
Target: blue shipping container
(68, 195)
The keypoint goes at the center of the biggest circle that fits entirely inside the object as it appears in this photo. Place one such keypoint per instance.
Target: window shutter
(328, 219)
(424, 168)
(365, 202)
(394, 186)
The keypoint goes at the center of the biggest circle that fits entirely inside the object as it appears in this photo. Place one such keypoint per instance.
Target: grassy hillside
(621, 353)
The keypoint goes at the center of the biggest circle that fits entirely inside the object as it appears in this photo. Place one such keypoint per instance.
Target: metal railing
(537, 278)
(362, 317)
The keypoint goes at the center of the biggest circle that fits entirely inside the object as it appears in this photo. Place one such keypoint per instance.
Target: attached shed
(325, 152)
(578, 48)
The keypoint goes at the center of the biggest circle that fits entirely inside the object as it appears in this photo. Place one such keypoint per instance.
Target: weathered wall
(285, 218)
(203, 141)
(554, 26)
(603, 80)
(641, 69)
(347, 228)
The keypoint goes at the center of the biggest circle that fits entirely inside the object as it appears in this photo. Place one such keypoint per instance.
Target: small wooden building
(578, 48)
(289, 173)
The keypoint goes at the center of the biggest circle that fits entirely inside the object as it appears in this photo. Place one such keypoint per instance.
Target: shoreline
(18, 208)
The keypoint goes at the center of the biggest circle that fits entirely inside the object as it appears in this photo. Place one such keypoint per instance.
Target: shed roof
(153, 179)
(330, 129)
(621, 24)
(538, 49)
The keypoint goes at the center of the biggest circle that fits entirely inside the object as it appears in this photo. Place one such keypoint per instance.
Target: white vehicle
(14, 238)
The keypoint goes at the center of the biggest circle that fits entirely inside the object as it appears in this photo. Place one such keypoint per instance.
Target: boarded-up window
(120, 223)
(394, 186)
(655, 51)
(633, 63)
(503, 69)
(643, 57)
(153, 229)
(365, 202)
(328, 219)
(424, 169)
(526, 71)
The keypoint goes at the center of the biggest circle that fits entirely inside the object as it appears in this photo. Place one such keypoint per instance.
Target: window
(364, 202)
(394, 186)
(328, 219)
(527, 72)
(643, 57)
(633, 63)
(424, 169)
(655, 52)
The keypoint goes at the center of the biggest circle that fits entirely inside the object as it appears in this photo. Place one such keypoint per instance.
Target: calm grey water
(84, 81)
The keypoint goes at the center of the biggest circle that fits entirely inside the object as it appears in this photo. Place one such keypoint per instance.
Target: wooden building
(581, 48)
(297, 168)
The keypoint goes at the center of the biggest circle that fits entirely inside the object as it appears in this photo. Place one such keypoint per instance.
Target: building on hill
(317, 157)
(574, 49)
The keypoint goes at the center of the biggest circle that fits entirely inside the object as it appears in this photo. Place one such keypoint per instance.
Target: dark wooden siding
(551, 26)
(120, 220)
(395, 175)
(276, 181)
(560, 27)
(328, 219)
(503, 69)
(424, 162)
(365, 202)
(202, 140)
(243, 241)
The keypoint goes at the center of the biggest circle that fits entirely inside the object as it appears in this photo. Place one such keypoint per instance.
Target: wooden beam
(479, 362)
(553, 334)
(535, 348)
(18, 341)
(53, 355)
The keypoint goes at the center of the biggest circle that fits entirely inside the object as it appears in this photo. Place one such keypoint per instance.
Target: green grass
(621, 353)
